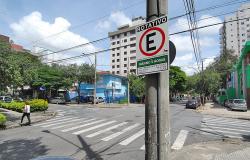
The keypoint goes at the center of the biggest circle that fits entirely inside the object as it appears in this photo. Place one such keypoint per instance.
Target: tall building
(123, 48)
(235, 34)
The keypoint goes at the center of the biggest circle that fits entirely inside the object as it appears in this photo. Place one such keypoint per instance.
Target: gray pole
(157, 125)
(128, 81)
(95, 81)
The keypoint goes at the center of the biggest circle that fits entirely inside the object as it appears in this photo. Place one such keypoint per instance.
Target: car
(58, 100)
(6, 99)
(238, 104)
(228, 102)
(98, 99)
(193, 104)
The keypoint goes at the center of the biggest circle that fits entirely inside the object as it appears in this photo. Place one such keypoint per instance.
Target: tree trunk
(78, 90)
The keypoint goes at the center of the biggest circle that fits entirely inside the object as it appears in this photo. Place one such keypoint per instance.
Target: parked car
(238, 104)
(98, 99)
(227, 102)
(193, 104)
(58, 100)
(6, 99)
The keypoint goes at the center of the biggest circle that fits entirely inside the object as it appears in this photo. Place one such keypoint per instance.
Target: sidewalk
(218, 110)
(14, 118)
(216, 150)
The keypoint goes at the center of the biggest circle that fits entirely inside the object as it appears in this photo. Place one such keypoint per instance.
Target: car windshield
(241, 101)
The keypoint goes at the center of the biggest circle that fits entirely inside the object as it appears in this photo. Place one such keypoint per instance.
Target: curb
(16, 125)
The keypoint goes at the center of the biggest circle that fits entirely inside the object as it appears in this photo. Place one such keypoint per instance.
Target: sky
(59, 24)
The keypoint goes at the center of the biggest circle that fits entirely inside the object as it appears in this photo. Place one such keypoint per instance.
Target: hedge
(2, 119)
(35, 105)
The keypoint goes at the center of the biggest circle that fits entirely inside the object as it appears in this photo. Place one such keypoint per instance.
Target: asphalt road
(82, 132)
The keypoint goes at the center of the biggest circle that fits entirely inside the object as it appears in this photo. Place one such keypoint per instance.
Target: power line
(105, 50)
(179, 16)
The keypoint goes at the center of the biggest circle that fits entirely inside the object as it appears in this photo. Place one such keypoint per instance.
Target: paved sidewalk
(14, 118)
(217, 150)
(218, 110)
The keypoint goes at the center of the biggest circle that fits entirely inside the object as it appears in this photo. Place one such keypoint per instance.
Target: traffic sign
(152, 47)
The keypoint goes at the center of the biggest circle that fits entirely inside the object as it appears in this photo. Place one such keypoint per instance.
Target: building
(110, 87)
(123, 48)
(4, 38)
(233, 35)
(16, 47)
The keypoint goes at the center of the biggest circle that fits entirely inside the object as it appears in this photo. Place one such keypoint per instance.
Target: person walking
(26, 112)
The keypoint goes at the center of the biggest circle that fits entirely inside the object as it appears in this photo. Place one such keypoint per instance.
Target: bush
(2, 119)
(123, 101)
(35, 105)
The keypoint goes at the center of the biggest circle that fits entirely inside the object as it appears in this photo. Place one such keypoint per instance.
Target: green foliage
(35, 105)
(177, 80)
(2, 119)
(123, 101)
(136, 85)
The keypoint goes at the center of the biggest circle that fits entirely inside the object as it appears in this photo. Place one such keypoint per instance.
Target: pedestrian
(26, 112)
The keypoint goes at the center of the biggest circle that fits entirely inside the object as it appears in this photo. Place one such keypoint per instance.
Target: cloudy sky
(59, 24)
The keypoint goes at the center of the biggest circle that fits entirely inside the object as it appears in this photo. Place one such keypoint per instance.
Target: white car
(238, 104)
(58, 100)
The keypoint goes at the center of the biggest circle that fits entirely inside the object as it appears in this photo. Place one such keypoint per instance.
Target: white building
(235, 34)
(123, 48)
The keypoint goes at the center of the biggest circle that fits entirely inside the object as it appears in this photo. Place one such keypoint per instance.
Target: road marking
(73, 120)
(233, 129)
(121, 132)
(180, 140)
(56, 118)
(87, 124)
(221, 131)
(226, 124)
(92, 128)
(105, 130)
(143, 147)
(61, 126)
(54, 121)
(132, 138)
(226, 120)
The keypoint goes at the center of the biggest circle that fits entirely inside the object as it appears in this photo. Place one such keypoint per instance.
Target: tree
(136, 85)
(4, 72)
(177, 80)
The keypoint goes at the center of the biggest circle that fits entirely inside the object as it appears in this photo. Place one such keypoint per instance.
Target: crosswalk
(109, 129)
(225, 127)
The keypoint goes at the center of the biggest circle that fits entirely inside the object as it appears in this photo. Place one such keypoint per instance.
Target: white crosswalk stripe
(225, 127)
(92, 128)
(132, 138)
(63, 122)
(121, 132)
(106, 130)
(84, 125)
(75, 123)
(57, 120)
(180, 140)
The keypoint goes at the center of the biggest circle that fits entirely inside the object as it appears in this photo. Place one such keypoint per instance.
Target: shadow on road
(21, 149)
(90, 154)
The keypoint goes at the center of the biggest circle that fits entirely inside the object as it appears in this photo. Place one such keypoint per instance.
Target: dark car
(6, 99)
(193, 104)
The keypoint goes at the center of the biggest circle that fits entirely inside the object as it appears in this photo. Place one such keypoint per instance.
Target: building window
(132, 64)
(118, 60)
(118, 36)
(113, 66)
(125, 71)
(125, 40)
(118, 48)
(113, 55)
(113, 61)
(117, 72)
(125, 65)
(132, 58)
(231, 35)
(133, 51)
(247, 19)
(132, 39)
(118, 42)
(118, 66)
(133, 70)
(113, 72)
(232, 41)
(125, 47)
(248, 25)
(242, 23)
(243, 34)
(113, 49)
(118, 54)
(125, 59)
(243, 40)
(113, 43)
(132, 32)
(132, 45)
(125, 34)
(113, 37)
(125, 53)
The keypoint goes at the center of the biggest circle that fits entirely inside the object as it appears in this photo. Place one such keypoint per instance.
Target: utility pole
(95, 81)
(128, 81)
(157, 125)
